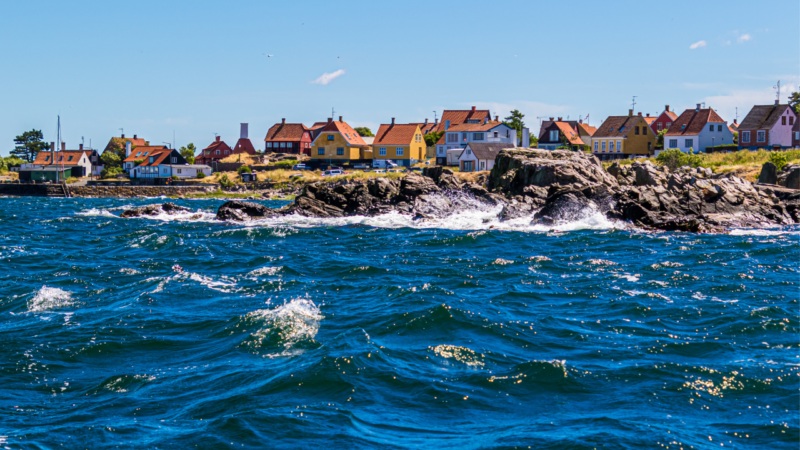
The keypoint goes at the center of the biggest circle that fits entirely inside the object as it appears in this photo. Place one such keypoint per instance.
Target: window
(382, 151)
(330, 137)
(660, 126)
(269, 144)
(619, 146)
(508, 133)
(611, 146)
(218, 152)
(797, 134)
(673, 143)
(483, 165)
(399, 151)
(745, 136)
(595, 146)
(783, 120)
(683, 126)
(151, 160)
(179, 170)
(644, 130)
(452, 137)
(711, 128)
(282, 145)
(477, 136)
(636, 130)
(174, 160)
(469, 151)
(719, 127)
(761, 136)
(340, 151)
(688, 143)
(553, 135)
(227, 151)
(669, 124)
(603, 146)
(321, 150)
(495, 134)
(463, 136)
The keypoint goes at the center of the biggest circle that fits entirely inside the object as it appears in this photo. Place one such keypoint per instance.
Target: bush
(244, 169)
(175, 177)
(674, 158)
(722, 148)
(778, 158)
(110, 172)
(71, 180)
(201, 174)
(224, 181)
(136, 162)
(287, 163)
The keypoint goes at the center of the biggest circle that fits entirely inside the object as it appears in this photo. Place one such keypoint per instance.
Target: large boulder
(769, 174)
(238, 210)
(154, 210)
(790, 176)
(414, 185)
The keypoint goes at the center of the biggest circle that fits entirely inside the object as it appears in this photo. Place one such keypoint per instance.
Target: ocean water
(384, 332)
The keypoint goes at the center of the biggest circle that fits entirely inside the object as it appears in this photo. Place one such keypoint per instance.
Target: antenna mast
(778, 93)
(633, 103)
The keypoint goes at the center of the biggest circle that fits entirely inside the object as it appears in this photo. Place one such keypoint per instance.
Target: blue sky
(201, 67)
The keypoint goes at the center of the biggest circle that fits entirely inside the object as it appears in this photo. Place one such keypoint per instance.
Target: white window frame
(269, 144)
(673, 143)
(611, 146)
(596, 145)
(477, 136)
(398, 151)
(745, 136)
(688, 143)
(382, 151)
(603, 146)
(619, 146)
(761, 136)
(452, 137)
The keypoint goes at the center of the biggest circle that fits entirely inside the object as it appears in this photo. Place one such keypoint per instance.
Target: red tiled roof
(458, 116)
(217, 145)
(612, 126)
(144, 152)
(318, 125)
(347, 132)
(396, 134)
(286, 132)
(692, 122)
(474, 126)
(569, 133)
(61, 157)
(244, 146)
(588, 128)
(650, 120)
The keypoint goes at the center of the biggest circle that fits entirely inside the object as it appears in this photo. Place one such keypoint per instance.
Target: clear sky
(196, 68)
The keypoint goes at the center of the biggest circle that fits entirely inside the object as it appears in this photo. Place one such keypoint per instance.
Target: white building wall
(782, 134)
(708, 138)
(682, 145)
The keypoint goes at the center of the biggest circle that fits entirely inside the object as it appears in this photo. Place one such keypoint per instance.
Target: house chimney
(648, 114)
(330, 119)
(667, 108)
(473, 108)
(218, 138)
(698, 107)
(123, 135)
(283, 121)
(80, 146)
(392, 121)
(630, 112)
(551, 119)
(497, 118)
(777, 102)
(426, 122)
(134, 136)
(63, 146)
(243, 131)
(127, 148)
(436, 121)
(340, 119)
(734, 121)
(485, 120)
(580, 120)
(640, 114)
(559, 119)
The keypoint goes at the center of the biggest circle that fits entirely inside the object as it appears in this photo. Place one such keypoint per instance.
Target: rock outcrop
(769, 174)
(789, 176)
(154, 210)
(240, 211)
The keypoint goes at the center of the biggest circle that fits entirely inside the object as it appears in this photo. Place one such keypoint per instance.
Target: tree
(29, 144)
(364, 131)
(188, 152)
(534, 142)
(115, 153)
(432, 138)
(110, 159)
(736, 137)
(660, 138)
(515, 121)
(794, 102)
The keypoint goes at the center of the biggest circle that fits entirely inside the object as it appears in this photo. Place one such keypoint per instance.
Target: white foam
(49, 298)
(291, 323)
(761, 232)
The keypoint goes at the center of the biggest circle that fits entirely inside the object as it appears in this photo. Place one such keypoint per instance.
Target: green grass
(725, 161)
(219, 194)
(287, 198)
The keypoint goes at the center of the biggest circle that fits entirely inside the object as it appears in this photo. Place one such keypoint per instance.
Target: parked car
(300, 167)
(394, 170)
(361, 166)
(332, 173)
(383, 164)
(380, 171)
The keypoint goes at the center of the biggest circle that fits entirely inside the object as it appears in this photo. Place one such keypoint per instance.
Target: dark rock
(769, 174)
(238, 210)
(153, 210)
(790, 176)
(413, 185)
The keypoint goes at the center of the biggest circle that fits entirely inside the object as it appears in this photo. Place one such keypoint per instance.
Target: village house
(696, 129)
(768, 127)
(623, 137)
(120, 142)
(586, 131)
(402, 143)
(163, 162)
(454, 117)
(214, 152)
(289, 138)
(562, 133)
(479, 156)
(456, 137)
(734, 127)
(337, 143)
(73, 163)
(663, 121)
(138, 155)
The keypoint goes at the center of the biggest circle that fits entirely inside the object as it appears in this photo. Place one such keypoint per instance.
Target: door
(469, 166)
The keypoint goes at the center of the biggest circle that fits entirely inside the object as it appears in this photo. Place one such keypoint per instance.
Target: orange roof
(396, 134)
(318, 125)
(569, 133)
(286, 132)
(650, 120)
(587, 128)
(120, 141)
(474, 126)
(457, 116)
(66, 157)
(692, 122)
(217, 145)
(346, 131)
(144, 152)
(158, 157)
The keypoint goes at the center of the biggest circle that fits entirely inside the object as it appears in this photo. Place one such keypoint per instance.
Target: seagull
(269, 56)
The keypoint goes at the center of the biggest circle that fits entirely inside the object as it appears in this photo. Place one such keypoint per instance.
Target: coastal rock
(413, 185)
(238, 210)
(153, 210)
(769, 174)
(789, 176)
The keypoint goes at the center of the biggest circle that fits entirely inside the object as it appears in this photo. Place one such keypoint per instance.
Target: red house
(289, 138)
(214, 152)
(243, 145)
(663, 121)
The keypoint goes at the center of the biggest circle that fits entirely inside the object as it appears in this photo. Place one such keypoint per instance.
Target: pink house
(768, 127)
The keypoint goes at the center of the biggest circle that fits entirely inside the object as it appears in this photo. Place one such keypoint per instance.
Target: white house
(458, 136)
(696, 129)
(477, 157)
(185, 171)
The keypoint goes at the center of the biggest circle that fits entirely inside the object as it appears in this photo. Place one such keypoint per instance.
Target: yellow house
(402, 143)
(623, 137)
(339, 144)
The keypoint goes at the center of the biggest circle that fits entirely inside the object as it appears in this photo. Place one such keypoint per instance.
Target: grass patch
(220, 194)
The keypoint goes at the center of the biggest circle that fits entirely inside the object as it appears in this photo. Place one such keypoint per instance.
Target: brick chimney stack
(330, 119)
(283, 121)
(340, 119)
(473, 108)
(630, 112)
(667, 108)
(392, 121)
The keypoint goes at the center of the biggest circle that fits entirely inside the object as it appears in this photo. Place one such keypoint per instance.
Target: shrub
(201, 175)
(244, 169)
(110, 172)
(674, 158)
(224, 181)
(287, 163)
(137, 162)
(778, 158)
(71, 180)
(175, 177)
(720, 148)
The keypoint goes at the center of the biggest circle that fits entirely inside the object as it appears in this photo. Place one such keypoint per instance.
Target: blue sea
(184, 332)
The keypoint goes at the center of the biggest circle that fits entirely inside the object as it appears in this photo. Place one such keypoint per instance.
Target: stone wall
(41, 190)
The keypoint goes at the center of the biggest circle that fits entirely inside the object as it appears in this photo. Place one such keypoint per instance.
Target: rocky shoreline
(554, 187)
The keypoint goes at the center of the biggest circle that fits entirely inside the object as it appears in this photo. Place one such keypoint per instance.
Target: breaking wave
(49, 298)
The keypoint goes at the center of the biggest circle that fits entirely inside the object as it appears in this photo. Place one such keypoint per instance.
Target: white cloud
(326, 77)
(726, 105)
(743, 38)
(698, 44)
